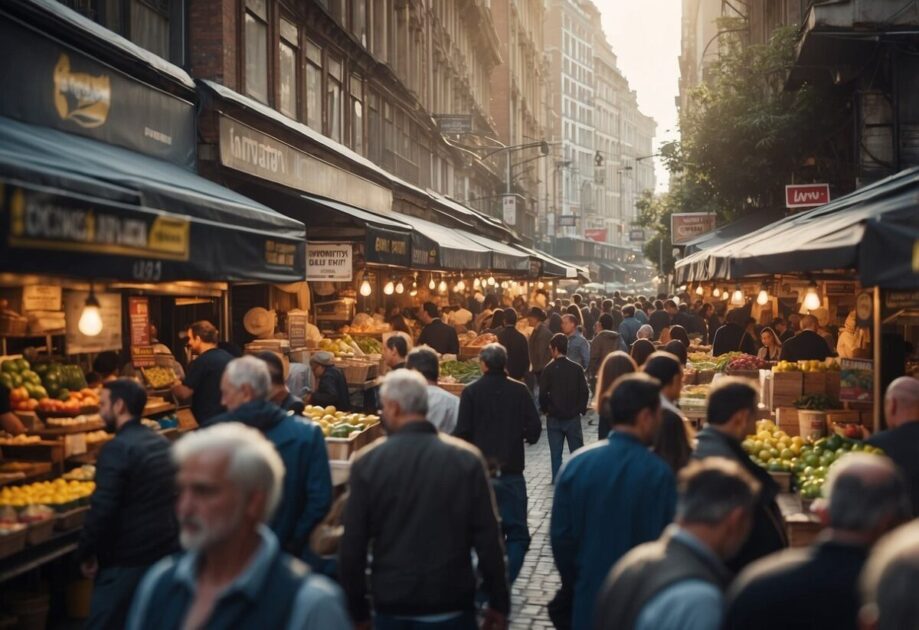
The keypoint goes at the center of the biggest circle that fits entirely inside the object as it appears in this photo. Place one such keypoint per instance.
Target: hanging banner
(806, 195)
(330, 262)
(110, 309)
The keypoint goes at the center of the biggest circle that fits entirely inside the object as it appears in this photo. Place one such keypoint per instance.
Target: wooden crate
(40, 531)
(13, 542)
(802, 533)
(343, 448)
(832, 385)
(783, 479)
(787, 387)
(814, 383)
(787, 420)
(71, 519)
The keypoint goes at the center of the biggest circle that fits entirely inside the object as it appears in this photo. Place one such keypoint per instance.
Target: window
(313, 86)
(375, 129)
(150, 25)
(359, 21)
(357, 114)
(257, 50)
(155, 25)
(380, 23)
(287, 67)
(333, 99)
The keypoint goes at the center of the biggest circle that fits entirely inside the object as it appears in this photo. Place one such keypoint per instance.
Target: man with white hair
(817, 587)
(233, 573)
(421, 501)
(888, 582)
(645, 332)
(901, 440)
(245, 387)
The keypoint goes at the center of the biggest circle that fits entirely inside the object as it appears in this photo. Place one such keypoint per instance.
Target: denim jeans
(511, 497)
(466, 621)
(557, 430)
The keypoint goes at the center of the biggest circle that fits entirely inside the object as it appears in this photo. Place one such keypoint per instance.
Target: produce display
(747, 362)
(94, 437)
(59, 494)
(481, 340)
(50, 388)
(78, 421)
(86, 472)
(806, 366)
(694, 394)
(19, 439)
(817, 402)
(26, 516)
(368, 345)
(160, 377)
(338, 347)
(460, 371)
(339, 424)
(701, 361)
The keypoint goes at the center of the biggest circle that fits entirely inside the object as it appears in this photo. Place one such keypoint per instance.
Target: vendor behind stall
(331, 387)
(438, 335)
(202, 380)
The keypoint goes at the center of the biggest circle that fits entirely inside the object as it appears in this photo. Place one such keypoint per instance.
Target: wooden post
(878, 421)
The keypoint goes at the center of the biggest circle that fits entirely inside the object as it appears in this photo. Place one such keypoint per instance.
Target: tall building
(700, 40)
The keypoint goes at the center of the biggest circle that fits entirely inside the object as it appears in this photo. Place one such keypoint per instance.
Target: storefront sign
(637, 236)
(387, 247)
(567, 220)
(806, 195)
(110, 309)
(596, 234)
(509, 207)
(37, 297)
(454, 123)
(245, 149)
(686, 226)
(896, 300)
(535, 270)
(840, 288)
(856, 380)
(329, 262)
(57, 86)
(42, 220)
(139, 324)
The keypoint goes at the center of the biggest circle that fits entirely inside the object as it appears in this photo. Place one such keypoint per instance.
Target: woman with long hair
(678, 332)
(772, 347)
(672, 442)
(641, 350)
(615, 364)
(678, 349)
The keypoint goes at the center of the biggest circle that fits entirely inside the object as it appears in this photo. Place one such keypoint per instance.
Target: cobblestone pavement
(538, 579)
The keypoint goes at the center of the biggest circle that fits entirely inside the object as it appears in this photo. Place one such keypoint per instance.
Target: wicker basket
(71, 519)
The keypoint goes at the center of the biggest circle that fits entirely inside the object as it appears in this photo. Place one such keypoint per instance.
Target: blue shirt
(319, 602)
(579, 349)
(628, 330)
(609, 498)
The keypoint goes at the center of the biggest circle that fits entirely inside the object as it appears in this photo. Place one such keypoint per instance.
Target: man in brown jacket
(606, 340)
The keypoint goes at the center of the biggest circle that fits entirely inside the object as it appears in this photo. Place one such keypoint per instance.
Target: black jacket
(805, 346)
(518, 352)
(659, 320)
(732, 338)
(768, 532)
(799, 589)
(332, 389)
(497, 414)
(902, 446)
(563, 392)
(131, 520)
(441, 337)
(422, 500)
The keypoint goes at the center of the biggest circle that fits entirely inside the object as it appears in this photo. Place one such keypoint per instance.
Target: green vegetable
(817, 402)
(463, 371)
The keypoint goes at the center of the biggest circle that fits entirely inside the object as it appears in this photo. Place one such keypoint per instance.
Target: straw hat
(259, 322)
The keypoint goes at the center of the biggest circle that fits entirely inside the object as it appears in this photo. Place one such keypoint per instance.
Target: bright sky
(645, 35)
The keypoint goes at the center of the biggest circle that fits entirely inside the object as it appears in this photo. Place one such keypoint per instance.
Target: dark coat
(807, 345)
(497, 414)
(732, 338)
(332, 389)
(604, 343)
(902, 446)
(441, 337)
(307, 478)
(659, 321)
(563, 391)
(799, 589)
(131, 520)
(768, 532)
(518, 352)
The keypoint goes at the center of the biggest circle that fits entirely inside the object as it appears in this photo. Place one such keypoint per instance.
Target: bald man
(807, 345)
(901, 440)
(817, 587)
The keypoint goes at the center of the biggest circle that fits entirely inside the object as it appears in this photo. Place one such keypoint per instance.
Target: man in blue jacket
(308, 483)
(611, 496)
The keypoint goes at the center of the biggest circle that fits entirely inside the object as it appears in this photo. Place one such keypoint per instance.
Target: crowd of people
(653, 526)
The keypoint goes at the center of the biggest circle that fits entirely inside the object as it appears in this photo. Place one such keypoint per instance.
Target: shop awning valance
(825, 238)
(82, 208)
(889, 253)
(438, 247)
(553, 267)
(735, 229)
(386, 241)
(503, 257)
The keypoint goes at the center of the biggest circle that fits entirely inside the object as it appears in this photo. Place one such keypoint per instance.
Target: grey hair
(864, 490)
(712, 488)
(888, 581)
(408, 389)
(494, 356)
(254, 465)
(645, 332)
(424, 360)
(252, 372)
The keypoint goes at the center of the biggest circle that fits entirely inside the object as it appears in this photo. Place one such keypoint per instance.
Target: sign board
(637, 236)
(139, 324)
(329, 262)
(856, 380)
(567, 220)
(599, 175)
(454, 123)
(840, 287)
(509, 206)
(296, 328)
(596, 234)
(916, 256)
(896, 300)
(806, 195)
(110, 309)
(36, 297)
(686, 226)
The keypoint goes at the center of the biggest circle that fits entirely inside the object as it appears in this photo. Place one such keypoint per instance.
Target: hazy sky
(645, 35)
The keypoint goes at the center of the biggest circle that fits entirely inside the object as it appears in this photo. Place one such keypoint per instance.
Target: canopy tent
(131, 217)
(889, 253)
(438, 247)
(503, 257)
(553, 267)
(730, 231)
(825, 238)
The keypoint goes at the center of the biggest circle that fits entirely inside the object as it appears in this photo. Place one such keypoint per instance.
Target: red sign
(806, 195)
(595, 234)
(139, 317)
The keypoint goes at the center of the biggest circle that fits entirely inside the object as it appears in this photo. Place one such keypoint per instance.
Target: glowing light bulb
(460, 286)
(540, 285)
(389, 288)
(491, 281)
(812, 300)
(366, 288)
(442, 287)
(400, 288)
(725, 294)
(763, 297)
(737, 297)
(504, 284)
(476, 284)
(413, 292)
(432, 285)
(716, 292)
(676, 300)
(700, 290)
(90, 323)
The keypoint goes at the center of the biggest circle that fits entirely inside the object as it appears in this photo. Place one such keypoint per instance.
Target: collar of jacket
(416, 426)
(263, 415)
(130, 423)
(495, 374)
(700, 549)
(666, 404)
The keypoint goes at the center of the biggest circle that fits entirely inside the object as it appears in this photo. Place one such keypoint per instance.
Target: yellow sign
(81, 97)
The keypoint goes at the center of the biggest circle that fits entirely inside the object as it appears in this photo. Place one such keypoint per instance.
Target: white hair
(252, 372)
(408, 389)
(645, 332)
(254, 464)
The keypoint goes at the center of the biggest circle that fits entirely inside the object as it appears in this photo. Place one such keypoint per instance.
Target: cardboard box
(814, 383)
(787, 387)
(787, 420)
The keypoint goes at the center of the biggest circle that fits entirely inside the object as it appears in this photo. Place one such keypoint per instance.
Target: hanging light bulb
(476, 284)
(400, 288)
(90, 323)
(700, 290)
(504, 284)
(716, 292)
(366, 288)
(442, 287)
(491, 281)
(676, 300)
(763, 297)
(812, 300)
(540, 284)
(432, 285)
(389, 288)
(725, 294)
(737, 296)
(460, 286)
(414, 290)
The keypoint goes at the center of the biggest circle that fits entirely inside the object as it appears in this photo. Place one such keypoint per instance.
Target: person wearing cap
(331, 386)
(202, 379)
